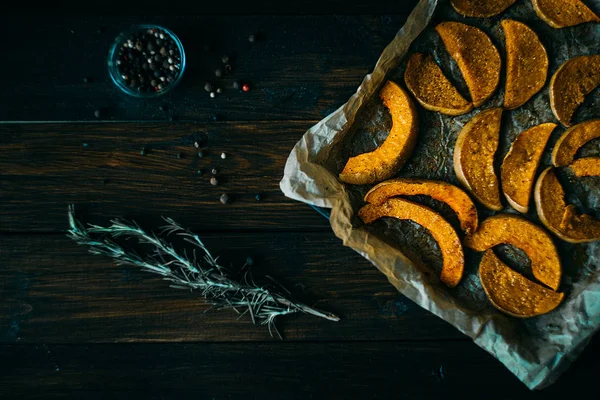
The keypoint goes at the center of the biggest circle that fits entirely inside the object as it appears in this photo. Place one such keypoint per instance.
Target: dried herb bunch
(200, 272)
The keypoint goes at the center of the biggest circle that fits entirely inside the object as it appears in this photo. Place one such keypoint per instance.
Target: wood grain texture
(304, 67)
(45, 167)
(53, 291)
(320, 370)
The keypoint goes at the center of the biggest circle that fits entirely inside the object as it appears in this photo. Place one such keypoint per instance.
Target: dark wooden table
(74, 324)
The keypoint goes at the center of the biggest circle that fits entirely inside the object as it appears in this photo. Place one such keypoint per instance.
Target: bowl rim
(112, 67)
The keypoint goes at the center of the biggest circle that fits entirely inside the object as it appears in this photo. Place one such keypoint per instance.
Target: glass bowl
(113, 55)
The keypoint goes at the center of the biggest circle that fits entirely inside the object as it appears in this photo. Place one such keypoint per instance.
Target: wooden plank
(263, 7)
(44, 167)
(53, 291)
(304, 68)
(284, 370)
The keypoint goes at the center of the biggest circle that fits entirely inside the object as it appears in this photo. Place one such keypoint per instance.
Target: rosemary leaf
(263, 304)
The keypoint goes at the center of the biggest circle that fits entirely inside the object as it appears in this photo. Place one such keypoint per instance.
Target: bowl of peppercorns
(146, 61)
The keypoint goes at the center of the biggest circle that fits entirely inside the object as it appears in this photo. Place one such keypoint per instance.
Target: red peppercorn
(246, 87)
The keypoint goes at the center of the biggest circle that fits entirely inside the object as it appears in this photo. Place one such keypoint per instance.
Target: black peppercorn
(249, 261)
(208, 87)
(86, 79)
(214, 171)
(200, 154)
(227, 68)
(214, 181)
(199, 172)
(225, 59)
(258, 197)
(236, 85)
(224, 198)
(97, 113)
(143, 151)
(252, 38)
(178, 155)
(218, 73)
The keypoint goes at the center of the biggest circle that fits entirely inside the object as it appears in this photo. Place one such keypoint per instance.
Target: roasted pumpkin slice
(525, 235)
(563, 13)
(512, 293)
(445, 192)
(481, 8)
(572, 140)
(521, 163)
(559, 217)
(570, 84)
(476, 57)
(474, 157)
(526, 64)
(386, 161)
(446, 237)
(431, 88)
(588, 166)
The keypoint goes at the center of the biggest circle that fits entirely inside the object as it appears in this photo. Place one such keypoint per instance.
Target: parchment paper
(536, 350)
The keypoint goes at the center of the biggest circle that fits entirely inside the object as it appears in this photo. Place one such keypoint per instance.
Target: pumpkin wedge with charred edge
(572, 140)
(476, 57)
(571, 82)
(481, 8)
(526, 64)
(512, 293)
(431, 88)
(521, 163)
(587, 166)
(525, 235)
(446, 237)
(474, 153)
(445, 192)
(559, 217)
(563, 13)
(386, 161)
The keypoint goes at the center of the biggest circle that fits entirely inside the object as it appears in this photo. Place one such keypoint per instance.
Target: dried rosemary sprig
(263, 303)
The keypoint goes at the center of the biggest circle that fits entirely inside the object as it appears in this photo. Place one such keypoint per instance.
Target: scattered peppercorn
(249, 261)
(225, 59)
(214, 181)
(219, 90)
(200, 172)
(143, 151)
(178, 155)
(212, 95)
(246, 87)
(214, 117)
(87, 79)
(224, 198)
(252, 38)
(200, 154)
(258, 197)
(196, 144)
(208, 87)
(218, 72)
(214, 171)
(223, 156)
(228, 68)
(236, 85)
(163, 108)
(97, 113)
(104, 181)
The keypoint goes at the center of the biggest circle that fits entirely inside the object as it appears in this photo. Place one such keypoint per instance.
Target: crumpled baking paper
(537, 350)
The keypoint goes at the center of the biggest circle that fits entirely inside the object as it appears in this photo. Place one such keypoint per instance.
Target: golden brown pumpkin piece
(570, 84)
(440, 229)
(572, 140)
(476, 57)
(588, 166)
(521, 163)
(526, 64)
(431, 88)
(445, 192)
(559, 217)
(474, 157)
(386, 161)
(527, 236)
(563, 13)
(481, 8)
(512, 293)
